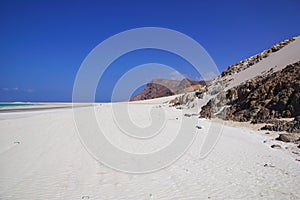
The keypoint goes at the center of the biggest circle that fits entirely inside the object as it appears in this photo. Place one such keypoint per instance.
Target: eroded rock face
(267, 97)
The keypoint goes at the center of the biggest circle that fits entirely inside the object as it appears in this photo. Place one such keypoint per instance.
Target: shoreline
(46, 106)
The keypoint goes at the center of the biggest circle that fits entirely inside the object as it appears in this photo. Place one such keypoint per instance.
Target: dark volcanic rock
(292, 126)
(271, 96)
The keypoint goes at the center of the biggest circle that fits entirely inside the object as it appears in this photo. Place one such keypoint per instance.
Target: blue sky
(43, 43)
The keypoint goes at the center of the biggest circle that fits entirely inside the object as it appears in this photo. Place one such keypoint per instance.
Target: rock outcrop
(267, 97)
(183, 100)
(288, 126)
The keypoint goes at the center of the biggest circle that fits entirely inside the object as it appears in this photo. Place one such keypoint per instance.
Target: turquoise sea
(15, 104)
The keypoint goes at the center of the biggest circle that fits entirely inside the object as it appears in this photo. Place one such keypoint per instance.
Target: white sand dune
(42, 157)
(276, 61)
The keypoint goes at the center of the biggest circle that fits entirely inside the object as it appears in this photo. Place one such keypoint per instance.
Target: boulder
(276, 146)
(288, 137)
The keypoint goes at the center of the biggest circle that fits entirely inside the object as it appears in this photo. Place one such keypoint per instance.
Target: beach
(149, 100)
(43, 157)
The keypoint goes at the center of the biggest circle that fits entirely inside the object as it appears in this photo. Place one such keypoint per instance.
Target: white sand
(42, 156)
(51, 163)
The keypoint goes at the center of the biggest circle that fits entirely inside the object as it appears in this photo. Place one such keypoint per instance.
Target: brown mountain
(164, 87)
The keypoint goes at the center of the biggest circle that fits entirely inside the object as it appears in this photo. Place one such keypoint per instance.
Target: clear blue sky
(43, 43)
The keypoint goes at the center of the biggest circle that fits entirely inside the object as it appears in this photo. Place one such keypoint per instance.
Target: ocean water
(15, 104)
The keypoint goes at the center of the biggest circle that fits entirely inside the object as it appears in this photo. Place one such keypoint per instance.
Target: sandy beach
(149, 100)
(42, 157)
